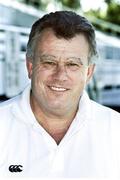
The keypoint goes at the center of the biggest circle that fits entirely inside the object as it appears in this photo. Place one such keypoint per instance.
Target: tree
(73, 4)
(108, 1)
(113, 12)
(102, 20)
(42, 4)
(35, 3)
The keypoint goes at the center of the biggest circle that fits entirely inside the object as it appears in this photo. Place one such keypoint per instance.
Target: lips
(58, 89)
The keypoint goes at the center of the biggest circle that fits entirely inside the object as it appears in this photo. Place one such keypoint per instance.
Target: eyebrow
(52, 57)
(75, 59)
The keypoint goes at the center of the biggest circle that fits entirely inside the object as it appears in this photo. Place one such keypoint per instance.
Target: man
(53, 129)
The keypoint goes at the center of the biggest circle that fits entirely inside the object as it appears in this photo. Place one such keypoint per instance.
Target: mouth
(58, 89)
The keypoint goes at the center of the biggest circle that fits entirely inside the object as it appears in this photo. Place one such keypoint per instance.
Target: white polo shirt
(90, 148)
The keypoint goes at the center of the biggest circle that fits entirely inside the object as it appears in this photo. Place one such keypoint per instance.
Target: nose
(60, 73)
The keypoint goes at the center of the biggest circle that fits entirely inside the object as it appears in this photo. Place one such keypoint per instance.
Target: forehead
(49, 43)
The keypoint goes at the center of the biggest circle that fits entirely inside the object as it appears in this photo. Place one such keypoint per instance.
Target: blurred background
(16, 18)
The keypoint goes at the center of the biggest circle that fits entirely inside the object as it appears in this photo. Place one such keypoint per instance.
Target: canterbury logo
(15, 168)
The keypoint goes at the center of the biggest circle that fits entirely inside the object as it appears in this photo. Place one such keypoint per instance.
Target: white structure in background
(108, 69)
(13, 39)
(13, 74)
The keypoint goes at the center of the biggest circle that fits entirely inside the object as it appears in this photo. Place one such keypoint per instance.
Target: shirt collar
(22, 109)
(83, 115)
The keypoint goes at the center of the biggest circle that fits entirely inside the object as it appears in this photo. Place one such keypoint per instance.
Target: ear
(29, 66)
(90, 72)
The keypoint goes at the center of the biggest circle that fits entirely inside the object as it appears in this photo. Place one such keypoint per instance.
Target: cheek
(79, 82)
(38, 79)
(80, 77)
(39, 75)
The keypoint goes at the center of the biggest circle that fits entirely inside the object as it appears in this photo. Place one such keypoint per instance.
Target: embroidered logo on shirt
(15, 168)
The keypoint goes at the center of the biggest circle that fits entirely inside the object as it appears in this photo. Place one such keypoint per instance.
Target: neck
(56, 126)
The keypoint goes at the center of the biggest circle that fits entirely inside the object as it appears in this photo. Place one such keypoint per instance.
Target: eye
(72, 64)
(49, 63)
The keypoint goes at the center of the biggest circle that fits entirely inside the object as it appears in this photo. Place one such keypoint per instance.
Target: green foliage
(108, 1)
(39, 4)
(35, 3)
(42, 4)
(74, 4)
(113, 13)
(109, 20)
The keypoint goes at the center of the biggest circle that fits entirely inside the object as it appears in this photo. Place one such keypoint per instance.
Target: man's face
(59, 72)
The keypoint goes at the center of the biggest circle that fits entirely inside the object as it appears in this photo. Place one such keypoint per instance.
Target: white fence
(13, 74)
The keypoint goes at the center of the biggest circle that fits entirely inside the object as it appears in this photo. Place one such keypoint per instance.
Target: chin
(56, 105)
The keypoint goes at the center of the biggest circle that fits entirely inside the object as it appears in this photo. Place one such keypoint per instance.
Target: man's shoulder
(6, 110)
(5, 105)
(15, 100)
(104, 111)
